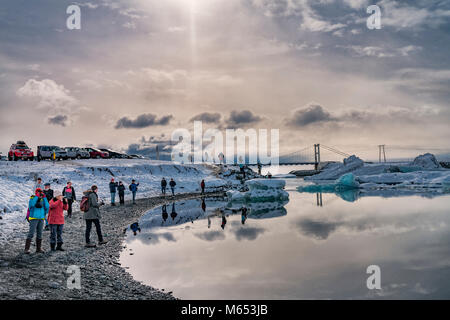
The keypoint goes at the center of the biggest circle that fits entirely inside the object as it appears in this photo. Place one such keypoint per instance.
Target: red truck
(97, 154)
(20, 150)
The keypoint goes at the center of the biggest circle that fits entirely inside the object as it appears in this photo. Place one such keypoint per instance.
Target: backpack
(84, 204)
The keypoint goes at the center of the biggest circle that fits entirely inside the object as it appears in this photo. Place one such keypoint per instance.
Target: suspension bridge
(320, 153)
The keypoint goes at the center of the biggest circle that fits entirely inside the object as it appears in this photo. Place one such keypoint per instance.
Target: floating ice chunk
(265, 184)
(347, 181)
(260, 190)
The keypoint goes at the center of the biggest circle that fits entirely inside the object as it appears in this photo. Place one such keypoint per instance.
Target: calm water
(313, 247)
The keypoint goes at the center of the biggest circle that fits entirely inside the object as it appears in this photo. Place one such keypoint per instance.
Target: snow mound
(260, 190)
(426, 161)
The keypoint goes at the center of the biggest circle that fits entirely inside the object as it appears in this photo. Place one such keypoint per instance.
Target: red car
(97, 154)
(20, 150)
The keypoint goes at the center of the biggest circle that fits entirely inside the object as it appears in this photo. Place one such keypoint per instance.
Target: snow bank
(17, 181)
(260, 190)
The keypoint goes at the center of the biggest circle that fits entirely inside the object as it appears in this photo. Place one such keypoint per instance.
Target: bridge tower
(381, 151)
(316, 156)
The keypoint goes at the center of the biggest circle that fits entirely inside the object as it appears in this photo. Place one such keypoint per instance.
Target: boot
(52, 246)
(27, 246)
(39, 246)
(59, 246)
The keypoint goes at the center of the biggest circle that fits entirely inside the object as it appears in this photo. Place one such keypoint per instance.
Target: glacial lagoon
(314, 246)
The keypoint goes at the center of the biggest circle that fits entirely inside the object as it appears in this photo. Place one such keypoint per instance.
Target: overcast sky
(139, 69)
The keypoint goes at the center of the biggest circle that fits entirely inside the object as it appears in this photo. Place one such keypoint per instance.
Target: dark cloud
(243, 117)
(59, 120)
(211, 235)
(247, 233)
(207, 117)
(320, 230)
(143, 121)
(313, 113)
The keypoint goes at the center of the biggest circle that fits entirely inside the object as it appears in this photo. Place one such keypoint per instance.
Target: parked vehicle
(114, 154)
(136, 156)
(46, 152)
(20, 150)
(77, 153)
(97, 154)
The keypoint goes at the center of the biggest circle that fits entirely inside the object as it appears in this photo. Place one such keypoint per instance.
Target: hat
(112, 179)
(57, 193)
(47, 184)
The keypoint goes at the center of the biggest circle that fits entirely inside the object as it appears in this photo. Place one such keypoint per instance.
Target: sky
(137, 70)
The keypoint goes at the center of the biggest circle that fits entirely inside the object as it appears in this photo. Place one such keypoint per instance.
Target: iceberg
(260, 190)
(346, 182)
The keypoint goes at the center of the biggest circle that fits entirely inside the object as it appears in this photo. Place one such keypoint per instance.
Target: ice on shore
(346, 182)
(260, 190)
(424, 172)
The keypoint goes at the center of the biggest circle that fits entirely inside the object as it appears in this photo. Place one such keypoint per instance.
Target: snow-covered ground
(17, 181)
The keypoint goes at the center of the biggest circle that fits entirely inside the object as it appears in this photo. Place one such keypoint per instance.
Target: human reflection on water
(164, 213)
(243, 214)
(224, 221)
(203, 205)
(135, 228)
(173, 214)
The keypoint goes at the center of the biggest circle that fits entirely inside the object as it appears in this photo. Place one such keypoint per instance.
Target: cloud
(319, 230)
(407, 16)
(312, 113)
(380, 52)
(210, 235)
(143, 121)
(207, 117)
(243, 117)
(312, 22)
(49, 95)
(59, 120)
(247, 233)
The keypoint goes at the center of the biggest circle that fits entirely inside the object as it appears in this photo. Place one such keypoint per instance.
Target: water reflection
(321, 249)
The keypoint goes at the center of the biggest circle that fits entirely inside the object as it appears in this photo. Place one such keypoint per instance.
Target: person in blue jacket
(38, 209)
(112, 189)
(133, 188)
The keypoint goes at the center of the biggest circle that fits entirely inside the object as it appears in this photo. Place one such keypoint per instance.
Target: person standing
(202, 185)
(39, 184)
(172, 185)
(163, 186)
(49, 195)
(92, 216)
(121, 189)
(112, 189)
(56, 220)
(133, 188)
(37, 209)
(69, 194)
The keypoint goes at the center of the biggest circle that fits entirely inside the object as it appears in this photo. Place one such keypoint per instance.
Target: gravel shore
(43, 276)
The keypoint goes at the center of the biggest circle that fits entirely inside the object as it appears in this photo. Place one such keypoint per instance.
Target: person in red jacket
(56, 220)
(202, 185)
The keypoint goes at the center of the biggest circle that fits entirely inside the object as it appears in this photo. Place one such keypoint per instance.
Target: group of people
(120, 188)
(46, 210)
